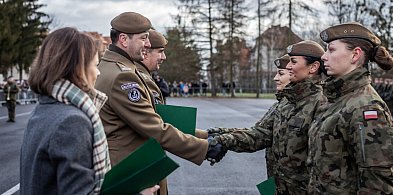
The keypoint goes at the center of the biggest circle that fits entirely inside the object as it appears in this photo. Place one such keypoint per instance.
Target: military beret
(306, 48)
(157, 40)
(282, 61)
(131, 23)
(349, 30)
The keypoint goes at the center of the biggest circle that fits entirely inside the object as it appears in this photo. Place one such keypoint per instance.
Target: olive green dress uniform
(151, 85)
(351, 149)
(129, 117)
(10, 92)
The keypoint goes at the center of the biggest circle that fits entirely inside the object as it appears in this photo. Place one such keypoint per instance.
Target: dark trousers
(11, 110)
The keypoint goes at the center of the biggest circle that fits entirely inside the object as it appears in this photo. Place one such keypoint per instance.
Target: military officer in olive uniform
(10, 92)
(151, 62)
(351, 149)
(129, 116)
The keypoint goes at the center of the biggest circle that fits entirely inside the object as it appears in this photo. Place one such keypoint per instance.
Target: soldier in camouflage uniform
(350, 143)
(288, 138)
(266, 123)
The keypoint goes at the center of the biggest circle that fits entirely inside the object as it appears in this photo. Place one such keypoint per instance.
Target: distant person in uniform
(266, 123)
(288, 138)
(351, 150)
(163, 85)
(129, 116)
(64, 149)
(10, 92)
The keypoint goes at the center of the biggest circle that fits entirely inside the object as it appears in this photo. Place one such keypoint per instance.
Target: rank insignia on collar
(134, 95)
(370, 115)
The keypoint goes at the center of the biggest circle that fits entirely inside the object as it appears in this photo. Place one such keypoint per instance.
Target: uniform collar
(143, 66)
(295, 92)
(337, 87)
(279, 95)
(116, 49)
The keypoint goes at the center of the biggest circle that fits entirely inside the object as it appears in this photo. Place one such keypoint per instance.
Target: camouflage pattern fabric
(385, 91)
(290, 145)
(266, 122)
(288, 138)
(350, 143)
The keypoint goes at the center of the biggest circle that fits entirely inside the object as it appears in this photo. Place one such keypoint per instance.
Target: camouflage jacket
(351, 150)
(290, 138)
(248, 139)
(288, 135)
(257, 137)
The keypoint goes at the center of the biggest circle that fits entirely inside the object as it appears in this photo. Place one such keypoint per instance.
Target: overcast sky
(95, 15)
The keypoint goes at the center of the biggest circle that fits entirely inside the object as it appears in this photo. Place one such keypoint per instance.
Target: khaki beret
(131, 23)
(157, 40)
(349, 30)
(282, 61)
(306, 48)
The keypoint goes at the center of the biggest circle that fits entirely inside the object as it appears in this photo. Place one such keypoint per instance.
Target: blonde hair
(64, 54)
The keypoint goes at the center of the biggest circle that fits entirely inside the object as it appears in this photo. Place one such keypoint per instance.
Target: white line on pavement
(12, 190)
(21, 114)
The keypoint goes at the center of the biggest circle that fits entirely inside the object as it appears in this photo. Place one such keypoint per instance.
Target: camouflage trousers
(286, 188)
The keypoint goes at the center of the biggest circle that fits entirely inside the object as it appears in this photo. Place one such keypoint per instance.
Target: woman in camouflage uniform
(350, 143)
(266, 123)
(289, 135)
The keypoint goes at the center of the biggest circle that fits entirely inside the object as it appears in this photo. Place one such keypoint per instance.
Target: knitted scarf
(66, 92)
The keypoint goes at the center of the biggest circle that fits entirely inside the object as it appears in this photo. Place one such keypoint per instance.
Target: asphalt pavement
(237, 173)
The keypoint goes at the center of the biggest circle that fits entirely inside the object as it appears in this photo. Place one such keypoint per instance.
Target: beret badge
(289, 49)
(277, 63)
(324, 35)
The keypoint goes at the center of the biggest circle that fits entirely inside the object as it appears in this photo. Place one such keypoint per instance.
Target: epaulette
(145, 76)
(123, 67)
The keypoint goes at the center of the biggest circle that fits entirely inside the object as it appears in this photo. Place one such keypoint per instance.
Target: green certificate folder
(142, 169)
(183, 118)
(267, 187)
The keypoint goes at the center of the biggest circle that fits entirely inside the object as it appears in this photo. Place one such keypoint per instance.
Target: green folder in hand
(183, 118)
(267, 187)
(142, 169)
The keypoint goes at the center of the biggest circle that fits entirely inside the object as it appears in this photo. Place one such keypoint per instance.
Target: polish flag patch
(370, 115)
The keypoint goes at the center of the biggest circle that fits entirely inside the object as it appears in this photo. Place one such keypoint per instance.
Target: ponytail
(383, 58)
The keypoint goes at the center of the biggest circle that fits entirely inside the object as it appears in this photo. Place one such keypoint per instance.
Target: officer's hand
(216, 150)
(149, 191)
(202, 134)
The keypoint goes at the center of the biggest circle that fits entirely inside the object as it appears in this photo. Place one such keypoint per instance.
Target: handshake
(216, 150)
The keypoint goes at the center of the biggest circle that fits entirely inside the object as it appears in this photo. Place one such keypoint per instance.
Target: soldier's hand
(216, 150)
(216, 131)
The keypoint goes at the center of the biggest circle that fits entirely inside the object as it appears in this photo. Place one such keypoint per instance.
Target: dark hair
(310, 60)
(64, 54)
(114, 34)
(377, 54)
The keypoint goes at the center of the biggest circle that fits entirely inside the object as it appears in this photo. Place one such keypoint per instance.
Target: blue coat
(56, 154)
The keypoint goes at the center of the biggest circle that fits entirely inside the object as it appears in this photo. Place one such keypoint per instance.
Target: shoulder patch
(131, 85)
(134, 95)
(370, 115)
(123, 67)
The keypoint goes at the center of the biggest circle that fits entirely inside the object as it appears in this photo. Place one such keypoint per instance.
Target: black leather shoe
(13, 121)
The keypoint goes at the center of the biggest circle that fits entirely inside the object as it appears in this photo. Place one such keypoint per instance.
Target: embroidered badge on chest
(134, 94)
(370, 115)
